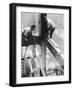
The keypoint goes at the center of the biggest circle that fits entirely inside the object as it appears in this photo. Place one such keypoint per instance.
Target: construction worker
(48, 26)
(26, 34)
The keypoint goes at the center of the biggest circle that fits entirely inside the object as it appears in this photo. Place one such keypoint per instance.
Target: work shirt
(26, 31)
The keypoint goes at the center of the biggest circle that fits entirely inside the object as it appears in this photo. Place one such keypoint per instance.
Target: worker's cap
(33, 26)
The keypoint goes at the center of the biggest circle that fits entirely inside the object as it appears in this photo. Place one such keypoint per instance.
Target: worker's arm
(26, 31)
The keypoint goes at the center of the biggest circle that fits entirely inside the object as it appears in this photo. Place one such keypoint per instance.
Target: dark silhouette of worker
(27, 34)
(47, 26)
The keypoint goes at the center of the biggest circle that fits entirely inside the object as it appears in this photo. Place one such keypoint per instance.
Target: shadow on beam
(56, 55)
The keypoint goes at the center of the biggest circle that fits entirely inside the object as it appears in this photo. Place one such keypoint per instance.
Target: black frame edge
(12, 48)
(70, 45)
(42, 83)
(41, 5)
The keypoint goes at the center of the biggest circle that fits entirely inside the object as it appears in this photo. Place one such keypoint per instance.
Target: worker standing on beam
(27, 33)
(49, 26)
